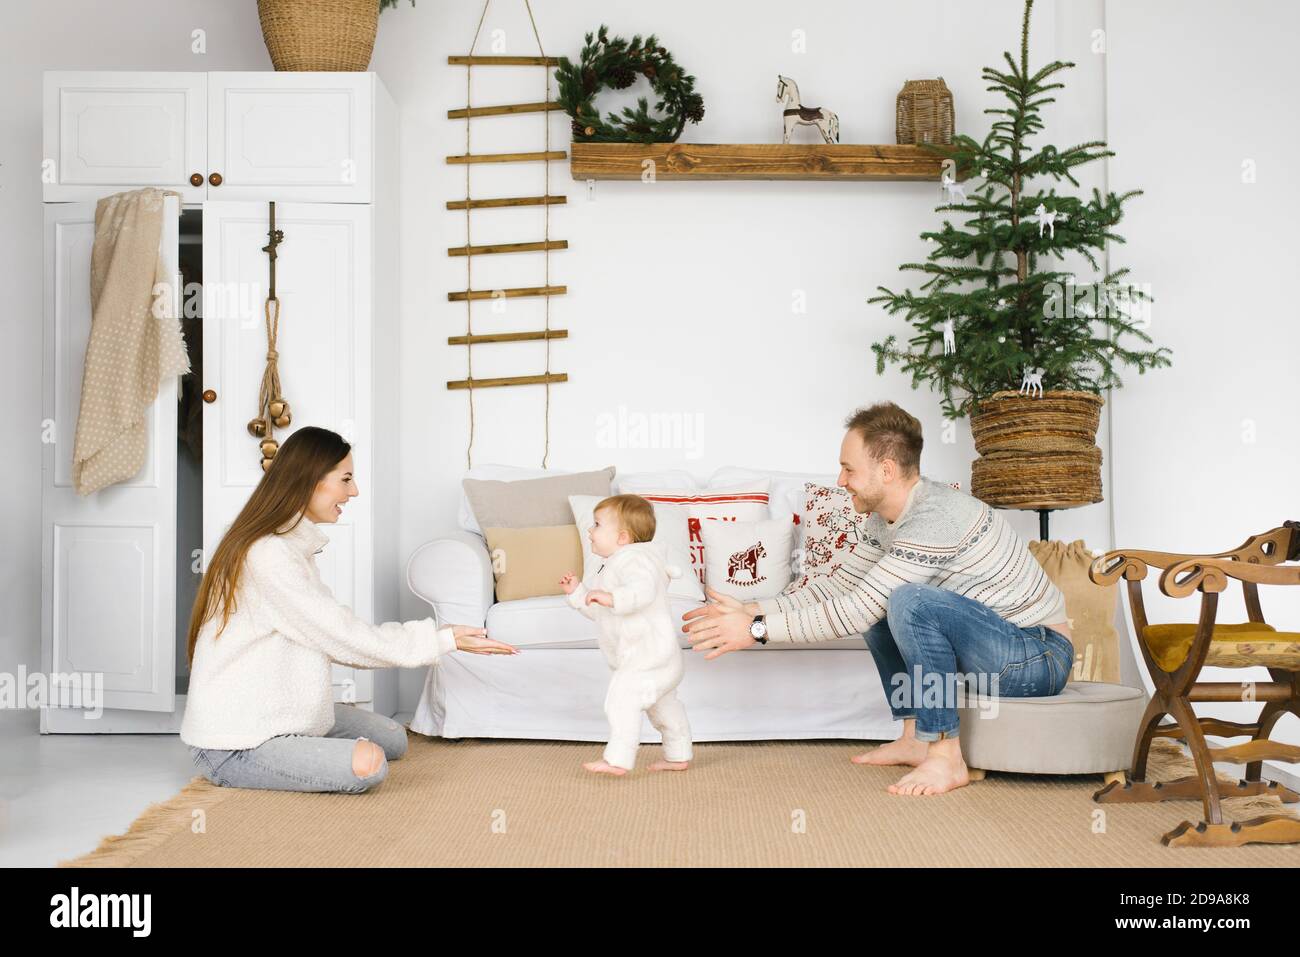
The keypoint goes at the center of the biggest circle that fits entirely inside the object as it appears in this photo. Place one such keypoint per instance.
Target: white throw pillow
(742, 503)
(785, 492)
(748, 560)
(670, 532)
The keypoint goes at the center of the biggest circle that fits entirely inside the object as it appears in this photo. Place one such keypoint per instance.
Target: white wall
(1208, 451)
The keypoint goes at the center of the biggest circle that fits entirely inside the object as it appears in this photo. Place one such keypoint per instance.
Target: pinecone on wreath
(621, 77)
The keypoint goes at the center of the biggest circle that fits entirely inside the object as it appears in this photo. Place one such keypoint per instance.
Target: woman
(260, 710)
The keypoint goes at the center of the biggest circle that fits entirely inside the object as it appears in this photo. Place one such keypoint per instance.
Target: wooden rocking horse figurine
(827, 123)
(1174, 655)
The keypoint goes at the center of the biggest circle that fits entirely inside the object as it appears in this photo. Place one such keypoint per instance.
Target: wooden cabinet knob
(209, 396)
(214, 179)
(196, 179)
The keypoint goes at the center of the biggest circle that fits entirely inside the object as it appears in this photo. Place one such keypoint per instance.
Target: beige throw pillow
(529, 562)
(528, 503)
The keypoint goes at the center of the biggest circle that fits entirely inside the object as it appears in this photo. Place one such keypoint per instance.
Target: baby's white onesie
(640, 643)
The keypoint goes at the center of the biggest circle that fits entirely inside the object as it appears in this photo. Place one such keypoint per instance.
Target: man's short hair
(633, 513)
(889, 432)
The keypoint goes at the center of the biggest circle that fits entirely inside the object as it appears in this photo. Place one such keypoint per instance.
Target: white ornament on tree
(1032, 382)
(950, 186)
(1046, 221)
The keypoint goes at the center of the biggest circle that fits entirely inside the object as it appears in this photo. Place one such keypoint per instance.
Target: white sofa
(555, 688)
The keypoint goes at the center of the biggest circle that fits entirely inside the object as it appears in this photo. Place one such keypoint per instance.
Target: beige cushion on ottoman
(1089, 728)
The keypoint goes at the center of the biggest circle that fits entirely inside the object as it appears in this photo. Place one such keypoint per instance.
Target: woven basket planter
(319, 34)
(1037, 452)
(923, 113)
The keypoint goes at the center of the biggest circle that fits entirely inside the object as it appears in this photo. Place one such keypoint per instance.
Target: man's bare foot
(670, 766)
(942, 771)
(600, 767)
(907, 751)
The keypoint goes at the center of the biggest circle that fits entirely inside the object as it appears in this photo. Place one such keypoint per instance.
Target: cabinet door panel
(108, 560)
(322, 283)
(290, 136)
(108, 131)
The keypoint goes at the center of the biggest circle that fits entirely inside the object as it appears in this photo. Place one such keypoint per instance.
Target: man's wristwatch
(758, 628)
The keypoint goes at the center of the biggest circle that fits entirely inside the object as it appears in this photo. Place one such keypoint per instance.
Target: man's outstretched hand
(720, 626)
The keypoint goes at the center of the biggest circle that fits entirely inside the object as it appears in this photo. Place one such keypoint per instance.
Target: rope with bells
(272, 409)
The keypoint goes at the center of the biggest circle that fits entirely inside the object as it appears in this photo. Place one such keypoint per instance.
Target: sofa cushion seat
(548, 622)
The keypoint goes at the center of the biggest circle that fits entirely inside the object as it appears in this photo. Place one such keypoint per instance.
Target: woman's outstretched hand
(476, 641)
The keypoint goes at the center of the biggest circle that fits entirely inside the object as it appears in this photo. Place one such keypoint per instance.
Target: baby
(630, 606)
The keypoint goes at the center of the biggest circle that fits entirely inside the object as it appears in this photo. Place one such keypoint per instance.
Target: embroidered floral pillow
(830, 529)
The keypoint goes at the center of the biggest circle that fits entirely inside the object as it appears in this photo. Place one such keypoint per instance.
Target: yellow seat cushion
(1231, 646)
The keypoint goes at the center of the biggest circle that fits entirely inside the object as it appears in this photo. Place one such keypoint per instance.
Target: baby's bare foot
(601, 767)
(907, 751)
(670, 766)
(935, 775)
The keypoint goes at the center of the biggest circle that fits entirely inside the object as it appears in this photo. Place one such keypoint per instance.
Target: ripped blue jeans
(298, 762)
(931, 637)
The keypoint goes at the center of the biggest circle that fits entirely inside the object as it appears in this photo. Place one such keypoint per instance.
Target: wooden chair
(1174, 655)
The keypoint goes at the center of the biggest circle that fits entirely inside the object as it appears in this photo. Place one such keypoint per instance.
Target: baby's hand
(599, 597)
(569, 582)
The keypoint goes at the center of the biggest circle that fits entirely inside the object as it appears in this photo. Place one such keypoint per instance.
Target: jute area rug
(529, 803)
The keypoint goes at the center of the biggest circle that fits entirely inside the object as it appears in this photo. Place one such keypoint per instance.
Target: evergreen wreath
(615, 63)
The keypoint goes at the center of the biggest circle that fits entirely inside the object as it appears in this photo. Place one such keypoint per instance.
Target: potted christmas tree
(999, 327)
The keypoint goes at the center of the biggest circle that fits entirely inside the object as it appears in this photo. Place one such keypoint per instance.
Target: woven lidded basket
(924, 112)
(319, 34)
(1037, 452)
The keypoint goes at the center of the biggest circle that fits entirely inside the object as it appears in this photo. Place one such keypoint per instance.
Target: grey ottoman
(1089, 728)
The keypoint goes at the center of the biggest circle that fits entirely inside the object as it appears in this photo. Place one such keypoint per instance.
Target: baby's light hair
(633, 513)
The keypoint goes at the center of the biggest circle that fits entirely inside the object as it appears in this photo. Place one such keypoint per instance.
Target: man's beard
(861, 505)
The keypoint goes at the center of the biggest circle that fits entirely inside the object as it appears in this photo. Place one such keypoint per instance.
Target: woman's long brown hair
(306, 457)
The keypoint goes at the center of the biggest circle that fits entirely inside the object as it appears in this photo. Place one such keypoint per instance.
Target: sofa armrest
(454, 575)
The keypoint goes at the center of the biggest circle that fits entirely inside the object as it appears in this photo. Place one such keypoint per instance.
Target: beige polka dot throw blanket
(135, 339)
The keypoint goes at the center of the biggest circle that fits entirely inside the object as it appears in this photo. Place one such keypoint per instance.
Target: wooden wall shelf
(716, 161)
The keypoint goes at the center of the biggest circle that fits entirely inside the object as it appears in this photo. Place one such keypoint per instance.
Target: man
(939, 585)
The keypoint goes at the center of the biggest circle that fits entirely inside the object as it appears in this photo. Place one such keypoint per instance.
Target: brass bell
(269, 447)
(277, 407)
(282, 422)
(266, 464)
(257, 427)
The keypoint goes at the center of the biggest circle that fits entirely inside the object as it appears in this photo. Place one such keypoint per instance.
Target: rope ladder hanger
(468, 251)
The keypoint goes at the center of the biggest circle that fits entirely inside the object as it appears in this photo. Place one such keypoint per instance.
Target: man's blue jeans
(932, 641)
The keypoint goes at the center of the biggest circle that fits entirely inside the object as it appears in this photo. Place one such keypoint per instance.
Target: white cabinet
(323, 282)
(286, 136)
(111, 559)
(125, 130)
(290, 136)
(108, 568)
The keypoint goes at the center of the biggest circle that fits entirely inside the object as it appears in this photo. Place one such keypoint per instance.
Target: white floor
(60, 793)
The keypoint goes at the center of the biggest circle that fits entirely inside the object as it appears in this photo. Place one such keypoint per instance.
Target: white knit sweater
(268, 673)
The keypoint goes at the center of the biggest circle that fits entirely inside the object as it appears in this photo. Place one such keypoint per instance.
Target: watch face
(758, 629)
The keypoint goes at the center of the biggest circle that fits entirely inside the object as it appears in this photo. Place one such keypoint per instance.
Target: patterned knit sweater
(942, 537)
